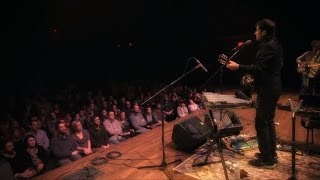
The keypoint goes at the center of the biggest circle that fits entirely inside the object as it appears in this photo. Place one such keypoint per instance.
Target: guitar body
(313, 71)
(311, 67)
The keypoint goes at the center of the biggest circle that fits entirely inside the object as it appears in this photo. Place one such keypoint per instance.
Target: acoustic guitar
(223, 59)
(310, 68)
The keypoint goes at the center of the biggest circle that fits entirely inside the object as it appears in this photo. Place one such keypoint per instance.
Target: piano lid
(310, 101)
(214, 100)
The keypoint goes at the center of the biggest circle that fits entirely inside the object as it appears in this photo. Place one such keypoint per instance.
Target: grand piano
(309, 113)
(310, 107)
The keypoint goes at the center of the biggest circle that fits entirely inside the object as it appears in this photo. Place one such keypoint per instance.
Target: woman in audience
(77, 118)
(124, 122)
(158, 113)
(82, 138)
(34, 156)
(98, 135)
(182, 110)
(29, 161)
(82, 117)
(115, 110)
(150, 118)
(104, 115)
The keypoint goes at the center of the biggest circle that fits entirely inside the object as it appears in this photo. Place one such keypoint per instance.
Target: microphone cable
(104, 160)
(99, 161)
(113, 155)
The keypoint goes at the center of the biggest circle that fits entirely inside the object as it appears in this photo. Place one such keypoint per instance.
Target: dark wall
(50, 43)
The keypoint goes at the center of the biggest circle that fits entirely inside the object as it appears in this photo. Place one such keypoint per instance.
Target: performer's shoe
(263, 164)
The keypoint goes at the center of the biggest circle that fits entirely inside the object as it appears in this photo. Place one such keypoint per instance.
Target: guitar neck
(313, 65)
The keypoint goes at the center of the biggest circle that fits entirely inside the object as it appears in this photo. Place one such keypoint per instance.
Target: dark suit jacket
(267, 68)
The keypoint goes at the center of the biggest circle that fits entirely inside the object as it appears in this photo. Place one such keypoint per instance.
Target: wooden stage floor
(146, 150)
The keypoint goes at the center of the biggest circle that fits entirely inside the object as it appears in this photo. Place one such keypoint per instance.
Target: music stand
(218, 134)
(164, 164)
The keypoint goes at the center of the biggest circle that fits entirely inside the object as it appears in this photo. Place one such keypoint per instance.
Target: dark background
(49, 43)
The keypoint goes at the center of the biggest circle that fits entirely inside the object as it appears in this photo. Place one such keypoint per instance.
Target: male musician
(267, 75)
(308, 65)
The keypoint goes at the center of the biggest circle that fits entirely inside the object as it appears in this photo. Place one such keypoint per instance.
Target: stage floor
(146, 150)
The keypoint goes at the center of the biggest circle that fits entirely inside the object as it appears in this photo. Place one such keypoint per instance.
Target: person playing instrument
(308, 65)
(267, 75)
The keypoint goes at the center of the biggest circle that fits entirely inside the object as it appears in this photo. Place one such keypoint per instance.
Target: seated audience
(158, 114)
(34, 156)
(63, 147)
(114, 128)
(41, 135)
(192, 106)
(137, 120)
(125, 122)
(182, 109)
(168, 109)
(82, 138)
(98, 135)
(151, 120)
(20, 169)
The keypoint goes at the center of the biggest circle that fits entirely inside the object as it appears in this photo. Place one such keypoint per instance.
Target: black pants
(310, 86)
(264, 124)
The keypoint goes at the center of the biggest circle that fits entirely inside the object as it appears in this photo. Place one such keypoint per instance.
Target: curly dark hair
(268, 25)
(25, 139)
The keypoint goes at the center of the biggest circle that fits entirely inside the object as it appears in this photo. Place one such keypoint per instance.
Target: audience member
(41, 135)
(63, 146)
(114, 128)
(137, 120)
(182, 110)
(98, 135)
(82, 138)
(192, 106)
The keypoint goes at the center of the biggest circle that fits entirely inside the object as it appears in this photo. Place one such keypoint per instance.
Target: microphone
(241, 45)
(201, 65)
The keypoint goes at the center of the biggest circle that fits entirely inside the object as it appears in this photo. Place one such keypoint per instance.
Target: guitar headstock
(223, 59)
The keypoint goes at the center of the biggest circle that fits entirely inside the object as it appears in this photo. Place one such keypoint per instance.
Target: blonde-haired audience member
(182, 109)
(82, 138)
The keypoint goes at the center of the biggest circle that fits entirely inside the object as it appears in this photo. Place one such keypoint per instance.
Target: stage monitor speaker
(190, 134)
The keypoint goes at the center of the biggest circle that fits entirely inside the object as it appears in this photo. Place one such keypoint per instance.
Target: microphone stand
(164, 164)
(221, 74)
(293, 142)
(218, 138)
(220, 69)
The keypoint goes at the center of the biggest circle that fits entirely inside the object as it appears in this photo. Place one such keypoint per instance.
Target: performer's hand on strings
(232, 65)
